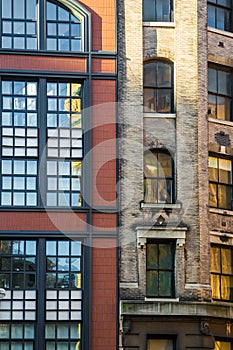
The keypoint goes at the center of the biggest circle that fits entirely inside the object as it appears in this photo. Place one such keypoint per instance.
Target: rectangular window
(220, 14)
(220, 94)
(222, 272)
(157, 10)
(161, 344)
(220, 183)
(160, 269)
(223, 345)
(41, 143)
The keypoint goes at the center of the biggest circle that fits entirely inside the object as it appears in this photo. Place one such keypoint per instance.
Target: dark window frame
(42, 158)
(161, 270)
(218, 8)
(159, 179)
(218, 94)
(157, 88)
(218, 184)
(153, 16)
(220, 275)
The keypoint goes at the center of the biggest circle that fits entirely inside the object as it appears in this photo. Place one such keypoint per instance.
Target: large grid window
(20, 27)
(222, 272)
(220, 183)
(220, 94)
(158, 87)
(41, 143)
(45, 274)
(158, 177)
(160, 269)
(220, 14)
(158, 10)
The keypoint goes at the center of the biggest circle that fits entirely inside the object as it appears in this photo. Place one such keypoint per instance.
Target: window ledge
(221, 211)
(159, 115)
(220, 31)
(159, 24)
(222, 122)
(161, 206)
(170, 300)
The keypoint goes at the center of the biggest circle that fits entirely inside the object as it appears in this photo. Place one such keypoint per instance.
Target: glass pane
(152, 256)
(17, 331)
(151, 165)
(226, 287)
(215, 259)
(212, 80)
(152, 283)
(163, 101)
(149, 75)
(49, 331)
(224, 197)
(163, 75)
(63, 331)
(165, 256)
(75, 248)
(164, 164)
(150, 191)
(165, 285)
(63, 248)
(18, 9)
(213, 169)
(149, 11)
(227, 261)
(6, 9)
(224, 86)
(163, 10)
(51, 248)
(212, 106)
(31, 9)
(160, 344)
(225, 174)
(220, 345)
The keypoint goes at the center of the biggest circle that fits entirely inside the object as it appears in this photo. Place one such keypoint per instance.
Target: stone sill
(159, 24)
(222, 122)
(221, 32)
(174, 308)
(159, 115)
(224, 212)
(160, 206)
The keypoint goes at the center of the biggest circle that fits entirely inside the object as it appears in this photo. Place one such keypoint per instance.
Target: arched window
(22, 26)
(158, 177)
(158, 87)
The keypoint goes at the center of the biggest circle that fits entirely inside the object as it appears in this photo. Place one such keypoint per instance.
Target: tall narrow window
(220, 14)
(158, 10)
(220, 183)
(220, 94)
(158, 87)
(160, 269)
(158, 177)
(222, 272)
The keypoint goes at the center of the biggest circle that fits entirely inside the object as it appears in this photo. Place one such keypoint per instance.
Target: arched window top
(158, 86)
(57, 26)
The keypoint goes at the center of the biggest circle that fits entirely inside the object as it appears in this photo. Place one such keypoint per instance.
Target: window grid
(221, 272)
(67, 335)
(220, 183)
(21, 335)
(220, 14)
(160, 269)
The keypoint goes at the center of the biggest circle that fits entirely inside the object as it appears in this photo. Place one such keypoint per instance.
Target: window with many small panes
(21, 29)
(41, 143)
(46, 275)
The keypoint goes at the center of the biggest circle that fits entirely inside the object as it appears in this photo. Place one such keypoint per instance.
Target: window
(220, 183)
(220, 94)
(45, 274)
(222, 272)
(160, 344)
(160, 269)
(158, 87)
(158, 177)
(157, 10)
(223, 345)
(220, 14)
(41, 143)
(21, 29)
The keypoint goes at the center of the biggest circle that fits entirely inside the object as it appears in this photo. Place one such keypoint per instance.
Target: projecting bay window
(21, 29)
(220, 183)
(222, 272)
(158, 10)
(220, 14)
(158, 177)
(41, 143)
(220, 94)
(160, 269)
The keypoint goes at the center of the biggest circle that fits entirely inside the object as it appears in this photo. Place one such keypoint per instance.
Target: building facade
(175, 91)
(58, 273)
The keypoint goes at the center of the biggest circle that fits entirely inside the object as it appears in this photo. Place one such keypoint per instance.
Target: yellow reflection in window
(222, 345)
(73, 104)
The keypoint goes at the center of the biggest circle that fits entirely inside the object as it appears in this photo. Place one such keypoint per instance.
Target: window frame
(218, 69)
(156, 89)
(42, 158)
(74, 8)
(155, 16)
(217, 184)
(171, 270)
(220, 274)
(158, 178)
(219, 7)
